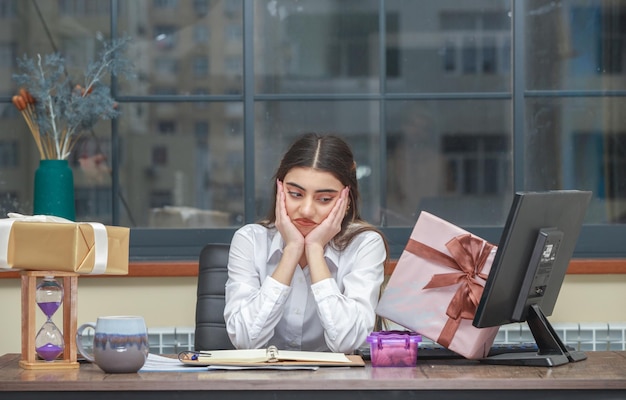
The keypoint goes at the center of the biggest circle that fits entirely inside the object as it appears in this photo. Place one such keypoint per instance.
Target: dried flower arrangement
(56, 111)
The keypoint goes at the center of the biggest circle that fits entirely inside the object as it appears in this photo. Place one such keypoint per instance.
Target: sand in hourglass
(49, 307)
(49, 351)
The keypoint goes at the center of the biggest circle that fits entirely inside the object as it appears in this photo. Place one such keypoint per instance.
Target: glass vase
(54, 190)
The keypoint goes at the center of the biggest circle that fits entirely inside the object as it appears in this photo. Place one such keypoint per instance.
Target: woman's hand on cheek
(294, 242)
(288, 231)
(331, 226)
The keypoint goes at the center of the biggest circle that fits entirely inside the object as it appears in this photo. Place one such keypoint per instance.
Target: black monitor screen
(535, 249)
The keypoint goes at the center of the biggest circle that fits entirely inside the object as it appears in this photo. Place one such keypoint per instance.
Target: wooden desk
(601, 376)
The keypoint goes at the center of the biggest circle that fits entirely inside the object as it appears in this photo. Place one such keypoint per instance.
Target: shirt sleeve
(348, 316)
(254, 301)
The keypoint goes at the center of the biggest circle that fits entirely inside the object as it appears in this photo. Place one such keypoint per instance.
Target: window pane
(451, 158)
(316, 46)
(576, 44)
(283, 121)
(9, 155)
(582, 147)
(184, 45)
(91, 163)
(449, 46)
(177, 169)
(75, 25)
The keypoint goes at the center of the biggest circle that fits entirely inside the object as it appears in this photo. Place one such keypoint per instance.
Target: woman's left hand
(331, 226)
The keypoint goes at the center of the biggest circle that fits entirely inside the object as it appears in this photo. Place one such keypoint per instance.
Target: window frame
(595, 241)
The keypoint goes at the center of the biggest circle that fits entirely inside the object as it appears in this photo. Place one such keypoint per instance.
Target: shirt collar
(276, 244)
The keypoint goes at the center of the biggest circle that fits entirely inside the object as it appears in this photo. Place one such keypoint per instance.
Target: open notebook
(268, 356)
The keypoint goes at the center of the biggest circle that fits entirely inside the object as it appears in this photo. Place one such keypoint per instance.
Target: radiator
(581, 336)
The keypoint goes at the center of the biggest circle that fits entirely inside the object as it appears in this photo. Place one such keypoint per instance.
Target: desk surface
(604, 373)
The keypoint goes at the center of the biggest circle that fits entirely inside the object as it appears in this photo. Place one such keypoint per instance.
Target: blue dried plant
(56, 110)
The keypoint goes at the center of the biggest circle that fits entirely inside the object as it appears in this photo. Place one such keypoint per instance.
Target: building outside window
(9, 154)
(7, 55)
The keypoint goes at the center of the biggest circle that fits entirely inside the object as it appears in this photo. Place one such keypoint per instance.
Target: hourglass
(51, 347)
(49, 343)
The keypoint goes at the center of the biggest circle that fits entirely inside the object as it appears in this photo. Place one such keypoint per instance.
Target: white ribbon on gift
(101, 246)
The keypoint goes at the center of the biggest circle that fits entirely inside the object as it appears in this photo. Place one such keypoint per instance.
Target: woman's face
(310, 196)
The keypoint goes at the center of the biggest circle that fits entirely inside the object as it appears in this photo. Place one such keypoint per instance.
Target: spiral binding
(272, 354)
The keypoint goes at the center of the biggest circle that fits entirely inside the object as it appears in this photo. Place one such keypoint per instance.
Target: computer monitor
(535, 248)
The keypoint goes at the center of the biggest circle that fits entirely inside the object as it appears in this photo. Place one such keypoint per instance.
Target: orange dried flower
(19, 102)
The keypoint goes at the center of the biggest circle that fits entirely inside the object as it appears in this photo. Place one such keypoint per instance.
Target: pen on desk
(201, 355)
(187, 355)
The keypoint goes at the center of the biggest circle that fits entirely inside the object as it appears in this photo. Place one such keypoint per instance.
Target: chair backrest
(210, 331)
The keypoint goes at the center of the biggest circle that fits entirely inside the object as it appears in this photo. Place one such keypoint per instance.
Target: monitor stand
(551, 350)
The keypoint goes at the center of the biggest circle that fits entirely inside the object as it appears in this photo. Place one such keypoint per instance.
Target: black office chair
(210, 331)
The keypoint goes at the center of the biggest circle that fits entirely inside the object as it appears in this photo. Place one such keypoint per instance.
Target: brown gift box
(69, 247)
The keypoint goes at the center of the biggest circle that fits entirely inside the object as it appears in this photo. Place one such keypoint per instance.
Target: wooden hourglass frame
(29, 312)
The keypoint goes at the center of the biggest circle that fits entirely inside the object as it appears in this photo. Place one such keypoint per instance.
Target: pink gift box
(437, 284)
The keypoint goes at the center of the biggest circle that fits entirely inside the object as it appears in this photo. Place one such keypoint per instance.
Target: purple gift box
(393, 348)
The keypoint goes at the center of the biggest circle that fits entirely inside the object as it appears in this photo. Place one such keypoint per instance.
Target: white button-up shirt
(331, 315)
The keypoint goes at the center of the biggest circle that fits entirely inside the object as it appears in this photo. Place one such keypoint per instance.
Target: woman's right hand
(294, 241)
(289, 232)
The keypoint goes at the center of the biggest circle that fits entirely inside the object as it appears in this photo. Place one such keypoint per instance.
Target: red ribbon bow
(468, 257)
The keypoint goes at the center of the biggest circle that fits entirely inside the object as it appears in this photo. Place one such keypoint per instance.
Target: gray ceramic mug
(120, 343)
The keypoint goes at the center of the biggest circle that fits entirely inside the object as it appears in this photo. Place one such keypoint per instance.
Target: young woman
(308, 277)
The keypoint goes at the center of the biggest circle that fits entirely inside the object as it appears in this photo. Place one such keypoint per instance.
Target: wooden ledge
(141, 269)
(156, 269)
(576, 267)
